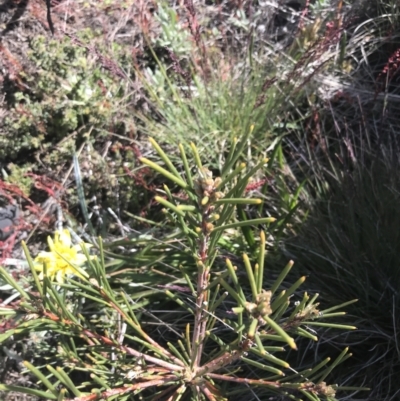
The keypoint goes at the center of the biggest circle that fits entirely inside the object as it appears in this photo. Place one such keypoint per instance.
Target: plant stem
(258, 382)
(201, 317)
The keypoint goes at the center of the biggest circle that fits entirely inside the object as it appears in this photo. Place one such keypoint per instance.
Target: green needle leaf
(41, 377)
(250, 276)
(331, 325)
(196, 156)
(239, 201)
(164, 157)
(31, 391)
(176, 179)
(186, 165)
(275, 326)
(336, 362)
(252, 329)
(263, 366)
(169, 205)
(263, 220)
(281, 276)
(261, 261)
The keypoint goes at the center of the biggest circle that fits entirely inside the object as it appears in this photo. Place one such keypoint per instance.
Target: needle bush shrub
(205, 327)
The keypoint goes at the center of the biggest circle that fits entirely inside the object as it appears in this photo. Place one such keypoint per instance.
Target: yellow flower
(63, 258)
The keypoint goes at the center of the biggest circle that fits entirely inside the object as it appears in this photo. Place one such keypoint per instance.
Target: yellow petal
(60, 276)
(64, 238)
(51, 243)
(79, 259)
(78, 247)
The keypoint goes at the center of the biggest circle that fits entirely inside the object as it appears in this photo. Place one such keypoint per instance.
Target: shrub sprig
(231, 317)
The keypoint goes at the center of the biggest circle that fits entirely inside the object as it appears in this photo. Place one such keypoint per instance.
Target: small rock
(8, 218)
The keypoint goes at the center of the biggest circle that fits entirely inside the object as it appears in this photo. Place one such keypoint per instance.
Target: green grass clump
(350, 247)
(349, 159)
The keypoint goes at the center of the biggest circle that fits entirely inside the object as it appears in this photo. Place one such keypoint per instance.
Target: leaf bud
(209, 227)
(264, 309)
(214, 217)
(217, 182)
(205, 200)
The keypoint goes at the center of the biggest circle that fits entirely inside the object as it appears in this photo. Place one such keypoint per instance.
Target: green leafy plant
(72, 101)
(231, 319)
(64, 92)
(173, 35)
